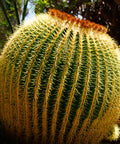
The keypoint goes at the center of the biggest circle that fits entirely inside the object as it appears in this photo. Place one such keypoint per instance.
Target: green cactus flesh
(59, 82)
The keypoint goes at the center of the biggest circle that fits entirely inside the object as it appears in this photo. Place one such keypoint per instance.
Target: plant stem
(6, 15)
(24, 9)
(16, 12)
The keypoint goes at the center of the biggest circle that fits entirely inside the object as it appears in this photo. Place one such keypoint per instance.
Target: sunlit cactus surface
(60, 81)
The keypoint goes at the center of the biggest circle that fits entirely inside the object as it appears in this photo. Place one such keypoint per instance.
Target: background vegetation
(104, 12)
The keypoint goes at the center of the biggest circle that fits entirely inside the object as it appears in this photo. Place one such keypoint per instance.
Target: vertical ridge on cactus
(60, 81)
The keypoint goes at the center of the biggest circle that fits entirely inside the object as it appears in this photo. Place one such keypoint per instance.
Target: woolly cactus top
(74, 21)
(60, 80)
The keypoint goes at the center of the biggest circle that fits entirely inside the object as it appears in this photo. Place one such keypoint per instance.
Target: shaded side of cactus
(60, 81)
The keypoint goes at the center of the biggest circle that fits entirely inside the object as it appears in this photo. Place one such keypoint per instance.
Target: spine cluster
(59, 84)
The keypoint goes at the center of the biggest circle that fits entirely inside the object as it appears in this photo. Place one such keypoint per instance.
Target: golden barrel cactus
(60, 81)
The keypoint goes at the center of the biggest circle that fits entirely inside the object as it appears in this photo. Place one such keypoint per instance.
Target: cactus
(60, 81)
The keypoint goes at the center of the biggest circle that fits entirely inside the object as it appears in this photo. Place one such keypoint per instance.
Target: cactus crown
(60, 81)
(73, 20)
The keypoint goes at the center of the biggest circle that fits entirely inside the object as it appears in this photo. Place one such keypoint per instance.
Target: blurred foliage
(12, 8)
(4, 25)
(41, 5)
(3, 29)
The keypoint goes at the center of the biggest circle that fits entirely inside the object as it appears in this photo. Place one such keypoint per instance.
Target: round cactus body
(60, 81)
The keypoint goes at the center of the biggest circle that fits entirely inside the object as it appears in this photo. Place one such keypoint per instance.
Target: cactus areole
(60, 81)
